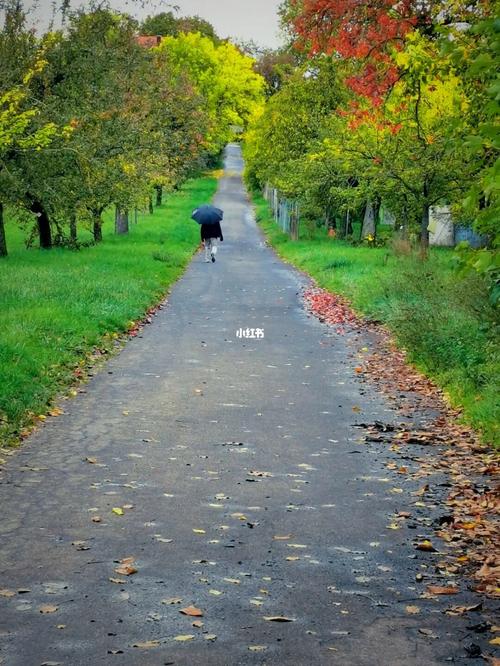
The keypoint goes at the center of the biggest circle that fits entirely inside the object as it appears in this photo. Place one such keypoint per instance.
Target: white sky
(242, 19)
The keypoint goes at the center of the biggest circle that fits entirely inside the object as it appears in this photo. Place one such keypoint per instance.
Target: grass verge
(58, 305)
(446, 323)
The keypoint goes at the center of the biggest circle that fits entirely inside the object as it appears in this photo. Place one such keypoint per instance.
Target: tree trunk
(424, 232)
(121, 221)
(159, 194)
(43, 223)
(368, 228)
(3, 240)
(97, 226)
(151, 209)
(72, 228)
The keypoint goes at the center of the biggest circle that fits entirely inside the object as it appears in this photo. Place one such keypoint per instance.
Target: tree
(230, 90)
(20, 132)
(166, 24)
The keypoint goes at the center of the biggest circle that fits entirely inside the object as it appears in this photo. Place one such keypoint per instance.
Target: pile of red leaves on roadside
(453, 448)
(330, 308)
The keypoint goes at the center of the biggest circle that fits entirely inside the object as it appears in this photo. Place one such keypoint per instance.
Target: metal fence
(286, 211)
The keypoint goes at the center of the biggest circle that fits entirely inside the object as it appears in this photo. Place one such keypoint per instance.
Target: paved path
(221, 444)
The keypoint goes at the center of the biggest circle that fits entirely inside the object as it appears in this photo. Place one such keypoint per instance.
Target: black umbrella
(207, 214)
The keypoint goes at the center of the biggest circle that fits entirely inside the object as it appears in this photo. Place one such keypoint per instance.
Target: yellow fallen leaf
(182, 638)
(413, 610)
(199, 531)
(393, 526)
(42, 417)
(216, 593)
(45, 610)
(118, 511)
(147, 645)
(396, 491)
(292, 558)
(235, 581)
(425, 545)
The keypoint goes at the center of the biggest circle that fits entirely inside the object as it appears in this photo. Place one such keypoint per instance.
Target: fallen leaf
(198, 624)
(257, 648)
(192, 611)
(182, 638)
(126, 567)
(117, 581)
(427, 632)
(283, 538)
(436, 589)
(292, 558)
(296, 545)
(128, 506)
(147, 645)
(216, 593)
(92, 461)
(460, 610)
(278, 618)
(210, 637)
(234, 581)
(199, 531)
(426, 546)
(119, 511)
(413, 610)
(172, 601)
(96, 519)
(7, 593)
(47, 609)
(80, 545)
(495, 641)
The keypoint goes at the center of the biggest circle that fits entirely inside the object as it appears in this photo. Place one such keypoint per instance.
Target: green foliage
(166, 24)
(447, 324)
(57, 306)
(231, 92)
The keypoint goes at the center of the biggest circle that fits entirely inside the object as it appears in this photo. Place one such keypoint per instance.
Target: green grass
(57, 305)
(445, 322)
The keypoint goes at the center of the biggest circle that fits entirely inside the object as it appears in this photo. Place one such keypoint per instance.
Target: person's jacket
(211, 231)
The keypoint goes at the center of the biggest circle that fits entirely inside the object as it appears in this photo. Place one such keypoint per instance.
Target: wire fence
(286, 211)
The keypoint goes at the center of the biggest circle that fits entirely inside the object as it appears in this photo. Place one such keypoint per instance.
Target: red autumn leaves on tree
(362, 31)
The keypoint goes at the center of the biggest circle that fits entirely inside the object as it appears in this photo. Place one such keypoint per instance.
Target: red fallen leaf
(192, 611)
(437, 589)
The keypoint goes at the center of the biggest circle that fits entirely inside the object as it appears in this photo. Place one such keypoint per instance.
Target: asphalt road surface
(245, 489)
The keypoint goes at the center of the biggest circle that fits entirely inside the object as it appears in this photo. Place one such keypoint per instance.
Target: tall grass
(445, 322)
(56, 305)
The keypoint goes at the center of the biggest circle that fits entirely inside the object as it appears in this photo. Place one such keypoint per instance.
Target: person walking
(209, 218)
(209, 235)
